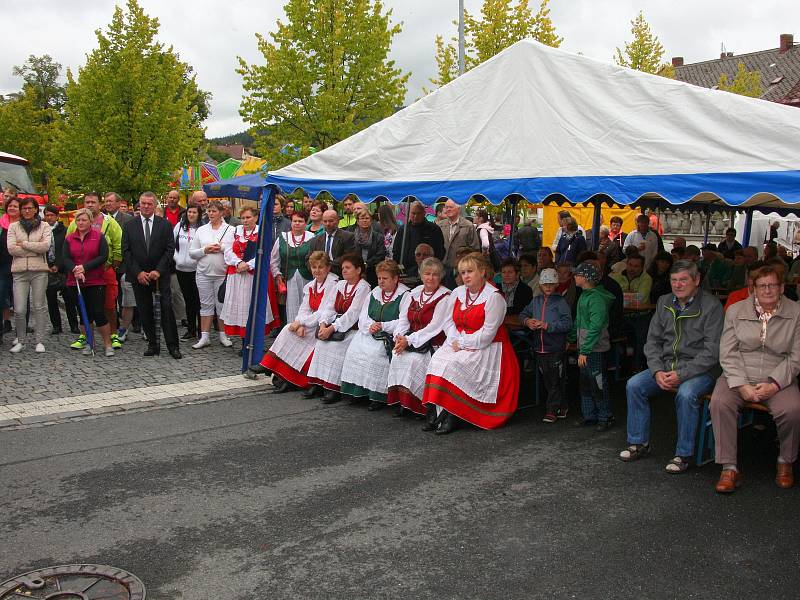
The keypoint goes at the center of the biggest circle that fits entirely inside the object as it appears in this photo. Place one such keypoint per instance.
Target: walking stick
(87, 326)
(157, 317)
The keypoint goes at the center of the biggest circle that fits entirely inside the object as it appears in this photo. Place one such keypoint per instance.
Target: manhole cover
(74, 582)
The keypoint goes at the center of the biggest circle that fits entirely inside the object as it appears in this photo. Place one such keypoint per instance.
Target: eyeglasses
(763, 287)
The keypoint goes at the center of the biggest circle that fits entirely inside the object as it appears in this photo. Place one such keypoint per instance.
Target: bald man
(200, 198)
(334, 242)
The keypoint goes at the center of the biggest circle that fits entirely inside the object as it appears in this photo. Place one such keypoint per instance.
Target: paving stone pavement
(63, 372)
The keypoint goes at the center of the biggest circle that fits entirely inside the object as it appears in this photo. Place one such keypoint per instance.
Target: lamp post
(460, 37)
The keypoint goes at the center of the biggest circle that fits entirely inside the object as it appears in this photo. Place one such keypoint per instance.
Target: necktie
(328, 245)
(147, 233)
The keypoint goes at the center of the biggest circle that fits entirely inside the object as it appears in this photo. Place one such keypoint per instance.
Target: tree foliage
(501, 24)
(42, 74)
(644, 52)
(132, 115)
(327, 75)
(27, 130)
(745, 83)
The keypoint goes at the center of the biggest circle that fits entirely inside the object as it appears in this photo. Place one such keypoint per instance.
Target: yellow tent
(584, 215)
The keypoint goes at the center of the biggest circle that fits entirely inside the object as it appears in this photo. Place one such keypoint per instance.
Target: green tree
(644, 52)
(131, 115)
(501, 24)
(327, 75)
(42, 74)
(745, 83)
(27, 130)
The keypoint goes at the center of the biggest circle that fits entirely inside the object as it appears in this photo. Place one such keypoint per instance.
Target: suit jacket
(137, 257)
(343, 243)
(122, 218)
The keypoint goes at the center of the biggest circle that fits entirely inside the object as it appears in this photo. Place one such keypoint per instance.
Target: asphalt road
(281, 497)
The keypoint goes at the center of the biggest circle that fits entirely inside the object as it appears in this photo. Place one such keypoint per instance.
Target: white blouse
(275, 255)
(365, 321)
(432, 329)
(305, 316)
(230, 256)
(327, 312)
(211, 265)
(495, 313)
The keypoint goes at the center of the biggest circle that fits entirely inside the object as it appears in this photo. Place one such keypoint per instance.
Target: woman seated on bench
(760, 358)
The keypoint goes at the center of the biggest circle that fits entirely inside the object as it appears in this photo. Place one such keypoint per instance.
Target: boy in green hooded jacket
(590, 331)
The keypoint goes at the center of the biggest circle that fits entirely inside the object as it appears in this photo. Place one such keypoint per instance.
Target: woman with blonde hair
(474, 376)
(289, 355)
(418, 335)
(366, 366)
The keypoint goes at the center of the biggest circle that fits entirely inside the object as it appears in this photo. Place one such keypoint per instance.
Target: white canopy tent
(538, 121)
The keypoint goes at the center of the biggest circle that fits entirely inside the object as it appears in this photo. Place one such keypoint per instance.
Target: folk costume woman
(288, 263)
(338, 323)
(474, 376)
(240, 256)
(366, 366)
(289, 356)
(418, 335)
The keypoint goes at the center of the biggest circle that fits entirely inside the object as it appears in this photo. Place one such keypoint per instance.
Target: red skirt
(406, 399)
(280, 368)
(272, 298)
(442, 393)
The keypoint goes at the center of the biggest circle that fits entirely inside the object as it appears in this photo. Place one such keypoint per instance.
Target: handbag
(388, 341)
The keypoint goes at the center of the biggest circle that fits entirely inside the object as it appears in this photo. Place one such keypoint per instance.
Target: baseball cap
(548, 276)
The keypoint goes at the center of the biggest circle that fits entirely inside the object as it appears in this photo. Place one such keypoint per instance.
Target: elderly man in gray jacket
(458, 233)
(682, 352)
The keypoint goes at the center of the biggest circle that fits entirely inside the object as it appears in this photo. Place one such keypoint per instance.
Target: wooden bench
(704, 448)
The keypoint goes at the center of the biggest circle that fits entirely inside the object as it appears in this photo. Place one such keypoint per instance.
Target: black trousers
(94, 298)
(144, 302)
(69, 306)
(188, 284)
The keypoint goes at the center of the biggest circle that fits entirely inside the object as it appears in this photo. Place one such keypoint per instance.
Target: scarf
(508, 292)
(764, 317)
(29, 225)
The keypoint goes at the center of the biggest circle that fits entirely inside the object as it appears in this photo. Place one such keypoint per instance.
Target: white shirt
(650, 245)
(144, 231)
(211, 265)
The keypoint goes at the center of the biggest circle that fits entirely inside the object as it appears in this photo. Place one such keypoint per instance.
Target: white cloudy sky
(209, 34)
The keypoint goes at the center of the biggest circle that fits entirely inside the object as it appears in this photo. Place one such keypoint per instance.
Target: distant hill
(243, 138)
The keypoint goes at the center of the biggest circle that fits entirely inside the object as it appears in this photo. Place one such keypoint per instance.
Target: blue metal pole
(596, 219)
(748, 226)
(256, 321)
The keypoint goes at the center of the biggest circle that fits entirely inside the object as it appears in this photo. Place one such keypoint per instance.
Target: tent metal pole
(405, 234)
(748, 226)
(254, 343)
(513, 231)
(596, 218)
(708, 224)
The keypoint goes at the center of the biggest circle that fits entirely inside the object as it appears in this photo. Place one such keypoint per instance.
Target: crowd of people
(428, 316)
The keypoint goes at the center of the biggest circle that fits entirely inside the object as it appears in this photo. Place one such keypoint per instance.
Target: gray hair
(148, 195)
(432, 263)
(688, 266)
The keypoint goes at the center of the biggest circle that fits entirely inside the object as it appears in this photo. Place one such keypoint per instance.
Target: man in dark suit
(112, 206)
(334, 242)
(147, 249)
(420, 231)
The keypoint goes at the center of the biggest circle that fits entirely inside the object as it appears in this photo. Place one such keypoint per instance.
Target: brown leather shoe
(784, 477)
(729, 480)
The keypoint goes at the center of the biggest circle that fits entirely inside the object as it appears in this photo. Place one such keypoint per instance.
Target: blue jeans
(643, 385)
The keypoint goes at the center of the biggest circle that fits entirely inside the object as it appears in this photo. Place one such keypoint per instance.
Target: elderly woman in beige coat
(760, 358)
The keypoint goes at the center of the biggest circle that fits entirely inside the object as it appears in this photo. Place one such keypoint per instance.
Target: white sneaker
(109, 351)
(87, 351)
(17, 347)
(225, 341)
(202, 343)
(40, 348)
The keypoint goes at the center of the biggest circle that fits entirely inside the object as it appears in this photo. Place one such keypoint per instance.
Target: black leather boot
(449, 423)
(259, 369)
(331, 396)
(280, 384)
(431, 420)
(311, 392)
